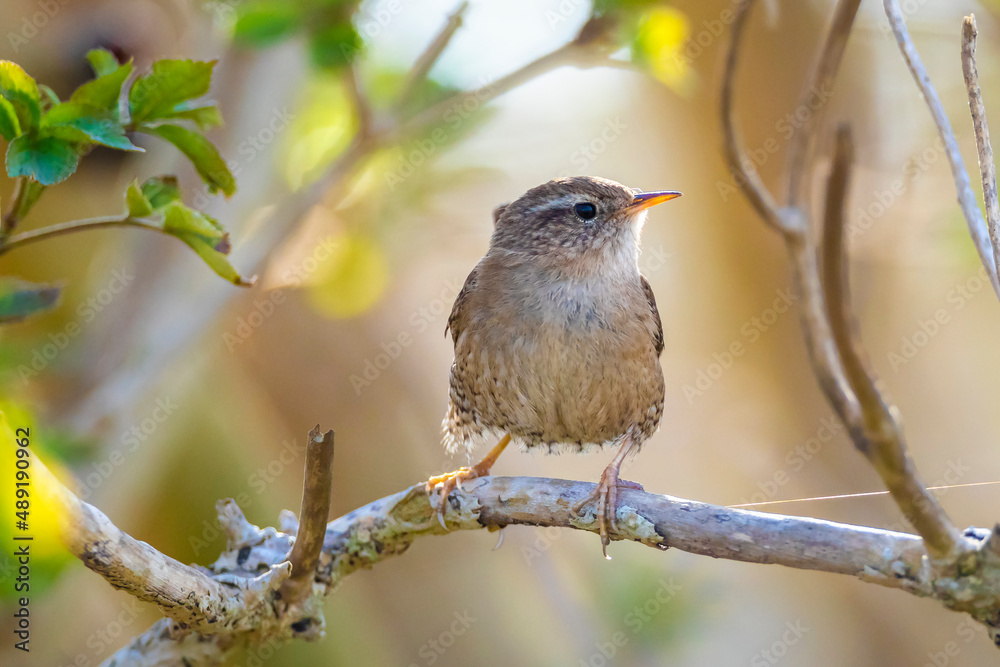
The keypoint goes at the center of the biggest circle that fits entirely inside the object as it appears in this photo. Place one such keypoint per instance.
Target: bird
(557, 336)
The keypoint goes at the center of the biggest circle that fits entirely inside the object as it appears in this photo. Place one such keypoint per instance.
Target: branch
(425, 63)
(986, 167)
(836, 353)
(312, 518)
(822, 78)
(72, 226)
(966, 197)
(388, 526)
(877, 434)
(753, 187)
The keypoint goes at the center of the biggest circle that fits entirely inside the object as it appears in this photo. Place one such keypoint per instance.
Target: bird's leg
(450, 480)
(606, 494)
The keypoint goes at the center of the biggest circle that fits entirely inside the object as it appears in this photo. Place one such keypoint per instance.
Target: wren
(557, 336)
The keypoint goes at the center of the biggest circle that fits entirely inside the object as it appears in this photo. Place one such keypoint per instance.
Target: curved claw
(606, 512)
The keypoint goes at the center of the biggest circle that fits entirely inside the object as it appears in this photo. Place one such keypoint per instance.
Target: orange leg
(606, 494)
(450, 480)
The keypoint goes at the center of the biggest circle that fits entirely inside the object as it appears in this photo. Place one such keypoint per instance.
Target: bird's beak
(644, 200)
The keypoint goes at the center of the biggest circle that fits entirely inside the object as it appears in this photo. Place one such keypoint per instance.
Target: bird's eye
(586, 210)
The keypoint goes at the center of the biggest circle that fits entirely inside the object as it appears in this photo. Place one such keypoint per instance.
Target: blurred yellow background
(180, 389)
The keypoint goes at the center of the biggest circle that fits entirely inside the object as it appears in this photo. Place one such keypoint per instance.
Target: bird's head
(575, 217)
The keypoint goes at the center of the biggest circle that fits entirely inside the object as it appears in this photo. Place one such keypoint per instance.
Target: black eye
(586, 210)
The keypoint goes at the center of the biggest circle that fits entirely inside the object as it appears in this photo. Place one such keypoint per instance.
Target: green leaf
(179, 219)
(104, 91)
(265, 23)
(170, 82)
(161, 190)
(202, 153)
(102, 61)
(10, 127)
(19, 298)
(204, 114)
(85, 123)
(215, 259)
(138, 205)
(22, 92)
(48, 160)
(335, 46)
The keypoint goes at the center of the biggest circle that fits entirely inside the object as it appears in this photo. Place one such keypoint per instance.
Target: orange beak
(644, 200)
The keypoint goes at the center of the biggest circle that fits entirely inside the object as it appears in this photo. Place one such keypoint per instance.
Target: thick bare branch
(312, 519)
(986, 166)
(820, 81)
(388, 526)
(966, 197)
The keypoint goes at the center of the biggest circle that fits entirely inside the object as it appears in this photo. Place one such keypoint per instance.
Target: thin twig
(756, 192)
(425, 63)
(966, 197)
(877, 434)
(986, 166)
(821, 81)
(12, 216)
(312, 518)
(72, 226)
(359, 100)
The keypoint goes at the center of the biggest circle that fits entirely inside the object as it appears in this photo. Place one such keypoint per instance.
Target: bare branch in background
(821, 80)
(966, 197)
(986, 166)
(425, 63)
(838, 358)
(878, 433)
(742, 167)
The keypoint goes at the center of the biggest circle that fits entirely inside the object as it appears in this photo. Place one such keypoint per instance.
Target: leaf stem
(76, 226)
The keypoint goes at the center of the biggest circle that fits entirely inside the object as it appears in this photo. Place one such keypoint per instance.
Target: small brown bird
(557, 337)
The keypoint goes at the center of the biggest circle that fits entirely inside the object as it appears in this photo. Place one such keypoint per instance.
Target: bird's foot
(448, 482)
(606, 497)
